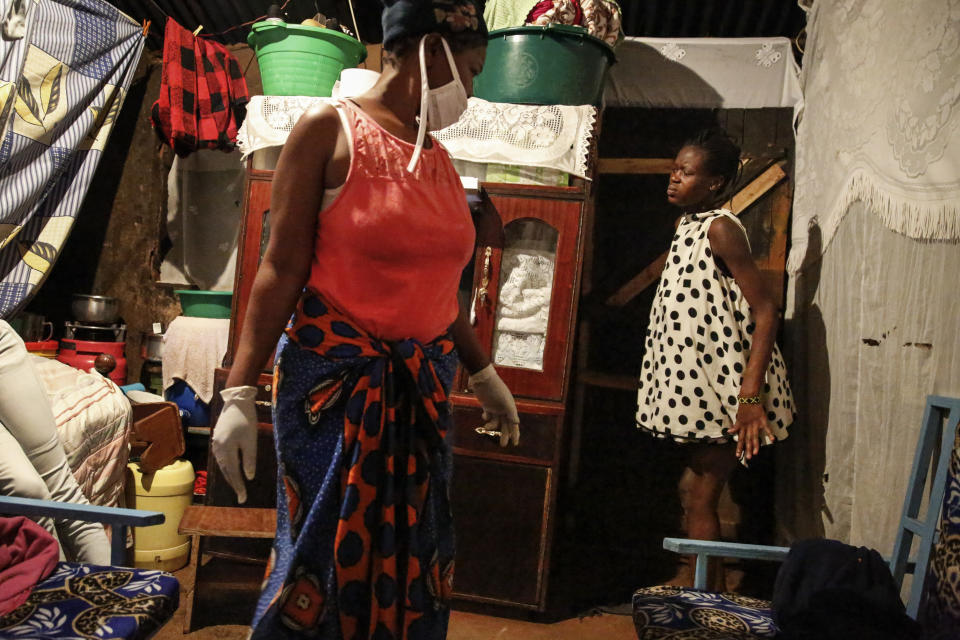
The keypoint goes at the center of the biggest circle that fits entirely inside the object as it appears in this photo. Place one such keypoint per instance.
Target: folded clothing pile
(601, 18)
(203, 94)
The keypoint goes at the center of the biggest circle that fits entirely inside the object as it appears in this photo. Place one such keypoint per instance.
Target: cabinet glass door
(526, 319)
(527, 269)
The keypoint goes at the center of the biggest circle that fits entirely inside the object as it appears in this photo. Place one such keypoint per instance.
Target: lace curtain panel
(705, 73)
(881, 119)
(554, 137)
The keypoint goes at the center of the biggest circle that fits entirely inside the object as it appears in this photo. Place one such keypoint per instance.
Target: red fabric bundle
(202, 93)
(28, 554)
(556, 12)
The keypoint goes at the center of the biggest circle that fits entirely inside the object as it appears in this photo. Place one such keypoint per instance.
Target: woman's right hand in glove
(235, 437)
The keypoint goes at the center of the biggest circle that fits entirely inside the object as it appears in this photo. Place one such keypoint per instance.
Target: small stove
(115, 332)
(84, 343)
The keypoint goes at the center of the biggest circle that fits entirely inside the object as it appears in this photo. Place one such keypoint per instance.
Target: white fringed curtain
(873, 309)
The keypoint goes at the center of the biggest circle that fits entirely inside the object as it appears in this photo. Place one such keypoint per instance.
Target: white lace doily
(881, 120)
(553, 136)
(524, 307)
(270, 120)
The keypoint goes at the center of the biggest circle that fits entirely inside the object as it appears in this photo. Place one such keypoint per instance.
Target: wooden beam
(738, 204)
(649, 275)
(635, 165)
(756, 189)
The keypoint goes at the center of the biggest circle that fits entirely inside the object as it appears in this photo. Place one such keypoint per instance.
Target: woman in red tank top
(366, 285)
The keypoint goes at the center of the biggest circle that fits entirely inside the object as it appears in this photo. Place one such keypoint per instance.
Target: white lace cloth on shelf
(552, 136)
(270, 120)
(881, 123)
(729, 73)
(524, 306)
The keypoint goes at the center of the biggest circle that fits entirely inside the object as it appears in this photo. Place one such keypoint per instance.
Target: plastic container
(169, 490)
(555, 64)
(194, 412)
(301, 60)
(205, 304)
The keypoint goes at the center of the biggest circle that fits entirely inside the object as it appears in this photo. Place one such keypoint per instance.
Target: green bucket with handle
(301, 60)
(555, 64)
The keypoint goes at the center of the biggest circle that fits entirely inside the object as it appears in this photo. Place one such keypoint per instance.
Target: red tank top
(391, 247)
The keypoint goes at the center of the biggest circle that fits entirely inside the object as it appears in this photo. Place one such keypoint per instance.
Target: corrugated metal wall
(655, 18)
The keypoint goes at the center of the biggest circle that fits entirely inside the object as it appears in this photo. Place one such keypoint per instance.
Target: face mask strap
(424, 96)
(451, 61)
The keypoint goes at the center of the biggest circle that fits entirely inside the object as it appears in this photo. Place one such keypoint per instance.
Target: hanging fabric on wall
(203, 94)
(704, 73)
(882, 122)
(61, 88)
(204, 210)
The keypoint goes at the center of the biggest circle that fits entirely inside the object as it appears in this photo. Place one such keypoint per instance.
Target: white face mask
(440, 107)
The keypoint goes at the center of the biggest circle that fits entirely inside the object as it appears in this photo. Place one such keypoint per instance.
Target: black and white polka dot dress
(697, 347)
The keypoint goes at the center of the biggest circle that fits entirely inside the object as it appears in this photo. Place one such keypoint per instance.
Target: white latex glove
(499, 409)
(235, 436)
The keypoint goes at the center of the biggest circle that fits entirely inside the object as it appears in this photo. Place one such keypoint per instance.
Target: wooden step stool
(220, 522)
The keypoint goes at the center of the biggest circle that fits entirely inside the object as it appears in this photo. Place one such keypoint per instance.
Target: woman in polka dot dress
(712, 376)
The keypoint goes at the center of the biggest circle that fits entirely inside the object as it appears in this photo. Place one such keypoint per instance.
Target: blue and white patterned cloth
(687, 614)
(61, 89)
(82, 601)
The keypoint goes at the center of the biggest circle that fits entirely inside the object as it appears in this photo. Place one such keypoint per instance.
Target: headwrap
(403, 18)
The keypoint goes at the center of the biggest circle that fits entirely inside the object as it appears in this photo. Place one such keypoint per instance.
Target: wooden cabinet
(505, 499)
(254, 234)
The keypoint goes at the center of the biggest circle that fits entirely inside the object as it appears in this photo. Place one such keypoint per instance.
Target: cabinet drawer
(539, 432)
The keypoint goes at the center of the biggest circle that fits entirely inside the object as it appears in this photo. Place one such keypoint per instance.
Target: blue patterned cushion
(940, 604)
(91, 602)
(687, 614)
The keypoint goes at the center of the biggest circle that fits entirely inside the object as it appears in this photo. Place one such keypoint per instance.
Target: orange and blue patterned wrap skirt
(364, 545)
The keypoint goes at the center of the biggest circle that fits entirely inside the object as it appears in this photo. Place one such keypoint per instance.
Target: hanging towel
(192, 349)
(202, 93)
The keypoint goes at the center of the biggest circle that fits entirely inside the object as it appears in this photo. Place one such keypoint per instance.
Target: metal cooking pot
(95, 309)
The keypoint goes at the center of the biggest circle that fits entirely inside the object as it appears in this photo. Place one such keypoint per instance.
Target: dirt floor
(463, 625)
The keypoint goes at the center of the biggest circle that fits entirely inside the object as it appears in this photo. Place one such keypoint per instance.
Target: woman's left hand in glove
(499, 409)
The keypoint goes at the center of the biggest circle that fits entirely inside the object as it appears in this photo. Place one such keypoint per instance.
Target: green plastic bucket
(205, 304)
(300, 60)
(555, 64)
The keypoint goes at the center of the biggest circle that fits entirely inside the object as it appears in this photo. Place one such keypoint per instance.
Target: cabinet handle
(263, 403)
(481, 297)
(487, 432)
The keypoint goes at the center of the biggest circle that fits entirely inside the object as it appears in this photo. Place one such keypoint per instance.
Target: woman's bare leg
(709, 467)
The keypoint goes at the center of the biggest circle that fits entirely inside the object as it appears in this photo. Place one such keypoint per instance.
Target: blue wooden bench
(89, 601)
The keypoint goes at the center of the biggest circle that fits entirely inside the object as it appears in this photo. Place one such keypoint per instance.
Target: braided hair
(721, 156)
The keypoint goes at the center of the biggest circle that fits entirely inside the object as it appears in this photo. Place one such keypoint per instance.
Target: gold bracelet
(749, 399)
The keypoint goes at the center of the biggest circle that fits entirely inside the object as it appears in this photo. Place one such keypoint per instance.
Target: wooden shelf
(607, 380)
